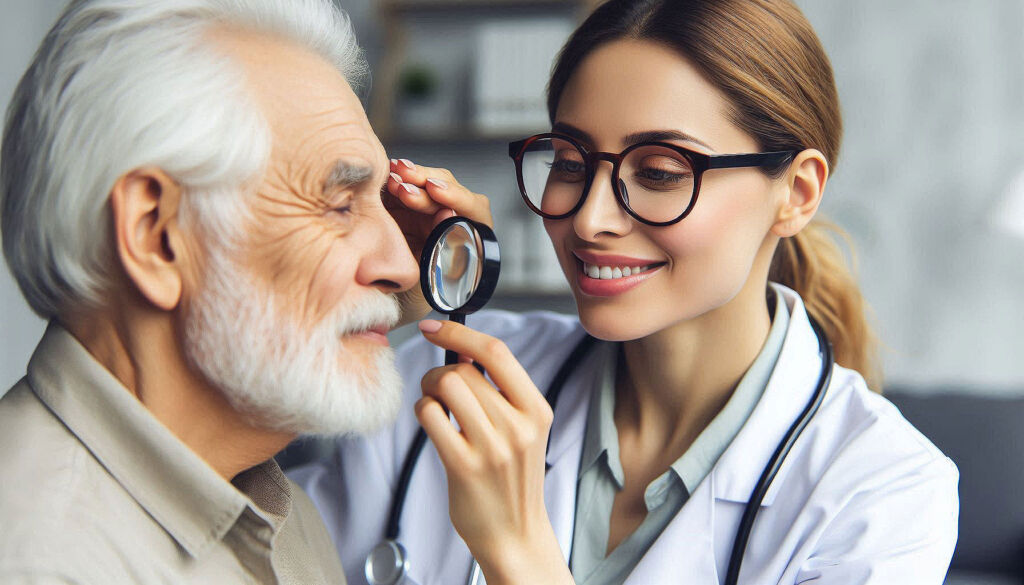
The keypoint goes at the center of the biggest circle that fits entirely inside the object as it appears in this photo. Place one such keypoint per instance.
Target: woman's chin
(613, 326)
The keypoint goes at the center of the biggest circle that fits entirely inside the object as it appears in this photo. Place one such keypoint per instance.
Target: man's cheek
(333, 280)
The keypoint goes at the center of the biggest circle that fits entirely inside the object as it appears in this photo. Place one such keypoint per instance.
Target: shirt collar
(602, 437)
(792, 382)
(696, 463)
(190, 500)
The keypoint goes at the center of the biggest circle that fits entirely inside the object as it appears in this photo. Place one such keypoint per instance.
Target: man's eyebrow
(346, 174)
(631, 139)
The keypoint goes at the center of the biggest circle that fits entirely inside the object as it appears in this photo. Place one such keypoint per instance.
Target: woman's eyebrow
(634, 138)
(661, 136)
(570, 130)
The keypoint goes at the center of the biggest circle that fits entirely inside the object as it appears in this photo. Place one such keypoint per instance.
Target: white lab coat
(862, 497)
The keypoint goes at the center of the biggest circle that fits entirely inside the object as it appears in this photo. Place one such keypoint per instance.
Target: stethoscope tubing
(739, 544)
(757, 496)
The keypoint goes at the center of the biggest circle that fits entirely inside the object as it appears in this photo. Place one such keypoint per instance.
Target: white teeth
(611, 272)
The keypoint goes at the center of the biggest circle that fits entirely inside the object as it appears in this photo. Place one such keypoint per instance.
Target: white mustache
(374, 310)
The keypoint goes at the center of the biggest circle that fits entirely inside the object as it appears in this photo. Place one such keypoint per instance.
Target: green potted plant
(418, 102)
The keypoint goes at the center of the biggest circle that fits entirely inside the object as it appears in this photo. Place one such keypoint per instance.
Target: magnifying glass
(458, 273)
(459, 269)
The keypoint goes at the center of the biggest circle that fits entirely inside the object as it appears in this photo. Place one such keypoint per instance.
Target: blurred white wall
(932, 100)
(22, 27)
(932, 96)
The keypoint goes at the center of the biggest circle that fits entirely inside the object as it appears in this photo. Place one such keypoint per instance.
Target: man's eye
(341, 208)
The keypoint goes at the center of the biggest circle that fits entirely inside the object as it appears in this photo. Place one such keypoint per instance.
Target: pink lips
(598, 287)
(377, 334)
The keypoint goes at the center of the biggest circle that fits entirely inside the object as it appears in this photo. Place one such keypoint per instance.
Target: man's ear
(145, 204)
(805, 184)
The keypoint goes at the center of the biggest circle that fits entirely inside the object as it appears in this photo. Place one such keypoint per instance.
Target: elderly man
(191, 193)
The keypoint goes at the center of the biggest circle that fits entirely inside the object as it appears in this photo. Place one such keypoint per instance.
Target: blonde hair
(764, 56)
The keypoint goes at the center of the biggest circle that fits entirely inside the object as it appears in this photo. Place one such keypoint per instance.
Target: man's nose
(389, 265)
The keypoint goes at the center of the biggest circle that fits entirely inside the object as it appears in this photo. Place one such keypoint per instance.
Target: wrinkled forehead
(314, 117)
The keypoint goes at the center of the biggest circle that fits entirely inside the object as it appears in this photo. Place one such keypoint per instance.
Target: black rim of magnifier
(491, 259)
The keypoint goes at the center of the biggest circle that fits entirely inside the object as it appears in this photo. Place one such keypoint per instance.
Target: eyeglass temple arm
(515, 147)
(759, 159)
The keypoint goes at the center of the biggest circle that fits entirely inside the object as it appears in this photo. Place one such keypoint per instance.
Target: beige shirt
(96, 491)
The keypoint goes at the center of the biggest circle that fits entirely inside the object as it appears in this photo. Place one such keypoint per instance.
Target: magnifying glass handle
(450, 357)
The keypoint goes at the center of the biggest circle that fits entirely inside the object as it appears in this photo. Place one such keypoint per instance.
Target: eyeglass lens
(657, 183)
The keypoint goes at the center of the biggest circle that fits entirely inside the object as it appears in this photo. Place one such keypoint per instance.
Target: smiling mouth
(614, 272)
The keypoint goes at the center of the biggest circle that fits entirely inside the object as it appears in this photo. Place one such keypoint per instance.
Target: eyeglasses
(655, 182)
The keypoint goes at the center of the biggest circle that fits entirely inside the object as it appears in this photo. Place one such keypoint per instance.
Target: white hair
(119, 85)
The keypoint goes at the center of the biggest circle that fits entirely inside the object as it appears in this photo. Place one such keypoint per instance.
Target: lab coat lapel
(791, 385)
(685, 550)
(566, 448)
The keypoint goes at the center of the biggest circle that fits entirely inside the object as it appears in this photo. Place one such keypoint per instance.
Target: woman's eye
(567, 166)
(662, 176)
(567, 171)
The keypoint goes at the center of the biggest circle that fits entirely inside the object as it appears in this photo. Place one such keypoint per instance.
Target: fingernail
(409, 188)
(394, 162)
(409, 164)
(445, 214)
(396, 177)
(438, 183)
(430, 326)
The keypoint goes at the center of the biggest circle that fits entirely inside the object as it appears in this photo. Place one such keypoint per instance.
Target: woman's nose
(601, 215)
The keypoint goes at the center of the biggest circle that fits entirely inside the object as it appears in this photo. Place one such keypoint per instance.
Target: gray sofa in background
(984, 436)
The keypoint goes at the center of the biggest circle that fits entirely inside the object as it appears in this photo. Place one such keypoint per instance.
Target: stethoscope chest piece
(387, 564)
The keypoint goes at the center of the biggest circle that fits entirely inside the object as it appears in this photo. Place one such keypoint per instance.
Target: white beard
(281, 375)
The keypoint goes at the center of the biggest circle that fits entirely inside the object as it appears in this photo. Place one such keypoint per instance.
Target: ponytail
(812, 264)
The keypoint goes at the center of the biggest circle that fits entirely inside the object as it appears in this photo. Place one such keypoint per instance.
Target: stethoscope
(388, 562)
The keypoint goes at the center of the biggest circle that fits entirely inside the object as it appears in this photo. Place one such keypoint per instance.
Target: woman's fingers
(411, 196)
(450, 385)
(495, 356)
(497, 409)
(440, 186)
(451, 445)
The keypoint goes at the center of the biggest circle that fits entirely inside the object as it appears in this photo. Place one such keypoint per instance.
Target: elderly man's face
(303, 303)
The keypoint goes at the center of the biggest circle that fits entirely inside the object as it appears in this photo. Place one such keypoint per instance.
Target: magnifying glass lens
(455, 266)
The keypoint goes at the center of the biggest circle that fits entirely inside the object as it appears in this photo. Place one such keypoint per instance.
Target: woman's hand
(495, 460)
(419, 198)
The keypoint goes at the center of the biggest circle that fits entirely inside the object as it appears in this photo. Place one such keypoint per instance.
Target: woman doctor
(700, 286)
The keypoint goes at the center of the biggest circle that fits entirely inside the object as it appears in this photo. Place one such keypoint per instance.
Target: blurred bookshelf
(475, 68)
(456, 81)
